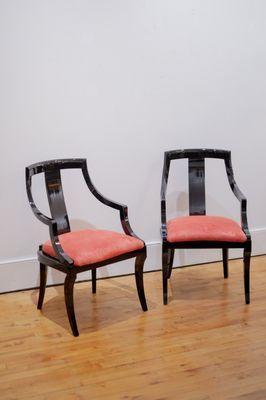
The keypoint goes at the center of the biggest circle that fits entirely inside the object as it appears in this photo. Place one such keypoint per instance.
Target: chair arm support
(62, 256)
(239, 195)
(244, 218)
(123, 209)
(163, 219)
(125, 222)
(96, 193)
(41, 217)
(166, 166)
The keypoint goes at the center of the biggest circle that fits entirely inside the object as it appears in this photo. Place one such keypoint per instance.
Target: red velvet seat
(93, 246)
(204, 228)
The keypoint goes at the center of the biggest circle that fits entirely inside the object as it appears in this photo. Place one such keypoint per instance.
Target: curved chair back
(196, 173)
(54, 188)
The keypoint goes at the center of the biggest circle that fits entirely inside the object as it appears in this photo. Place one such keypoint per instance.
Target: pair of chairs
(79, 251)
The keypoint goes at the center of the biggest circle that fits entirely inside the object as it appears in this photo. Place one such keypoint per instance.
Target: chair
(199, 230)
(79, 251)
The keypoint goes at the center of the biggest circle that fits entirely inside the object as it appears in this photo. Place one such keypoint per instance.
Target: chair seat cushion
(204, 228)
(93, 246)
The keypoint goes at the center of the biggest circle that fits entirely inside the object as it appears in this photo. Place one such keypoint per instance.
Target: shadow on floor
(113, 303)
(195, 283)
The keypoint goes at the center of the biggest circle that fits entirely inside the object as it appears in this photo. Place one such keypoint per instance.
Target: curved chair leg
(43, 278)
(165, 274)
(247, 254)
(171, 253)
(225, 263)
(139, 263)
(93, 279)
(68, 286)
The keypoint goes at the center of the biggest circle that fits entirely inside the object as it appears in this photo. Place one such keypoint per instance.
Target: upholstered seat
(93, 246)
(204, 228)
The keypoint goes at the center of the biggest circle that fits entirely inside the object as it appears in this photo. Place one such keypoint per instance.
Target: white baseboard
(23, 273)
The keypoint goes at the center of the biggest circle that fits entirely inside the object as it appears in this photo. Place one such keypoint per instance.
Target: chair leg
(43, 278)
(225, 263)
(171, 253)
(165, 274)
(247, 254)
(139, 263)
(93, 279)
(68, 286)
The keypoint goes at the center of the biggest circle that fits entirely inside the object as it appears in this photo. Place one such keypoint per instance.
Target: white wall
(120, 82)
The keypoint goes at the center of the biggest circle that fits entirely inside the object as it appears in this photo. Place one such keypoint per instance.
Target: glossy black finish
(140, 260)
(93, 279)
(58, 224)
(171, 253)
(225, 263)
(196, 171)
(197, 206)
(247, 255)
(69, 300)
(43, 278)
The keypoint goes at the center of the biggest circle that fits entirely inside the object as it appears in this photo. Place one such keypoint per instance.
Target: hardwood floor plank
(206, 344)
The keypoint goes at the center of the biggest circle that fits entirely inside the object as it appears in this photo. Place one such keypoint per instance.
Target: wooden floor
(206, 344)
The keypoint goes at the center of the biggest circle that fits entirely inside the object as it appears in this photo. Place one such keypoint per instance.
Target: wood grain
(205, 344)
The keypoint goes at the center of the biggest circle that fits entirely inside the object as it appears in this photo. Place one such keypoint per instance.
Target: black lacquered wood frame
(59, 224)
(197, 206)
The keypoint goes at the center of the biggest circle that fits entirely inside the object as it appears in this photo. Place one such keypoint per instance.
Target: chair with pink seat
(79, 251)
(199, 230)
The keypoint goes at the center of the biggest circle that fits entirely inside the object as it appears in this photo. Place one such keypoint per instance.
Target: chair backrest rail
(196, 178)
(56, 200)
(196, 174)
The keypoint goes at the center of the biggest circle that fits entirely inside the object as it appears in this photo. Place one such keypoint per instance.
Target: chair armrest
(123, 209)
(243, 207)
(239, 195)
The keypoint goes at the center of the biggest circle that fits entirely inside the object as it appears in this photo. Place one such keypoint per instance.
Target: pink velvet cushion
(204, 227)
(92, 246)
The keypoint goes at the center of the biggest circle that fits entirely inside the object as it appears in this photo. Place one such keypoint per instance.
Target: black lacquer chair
(79, 251)
(199, 230)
